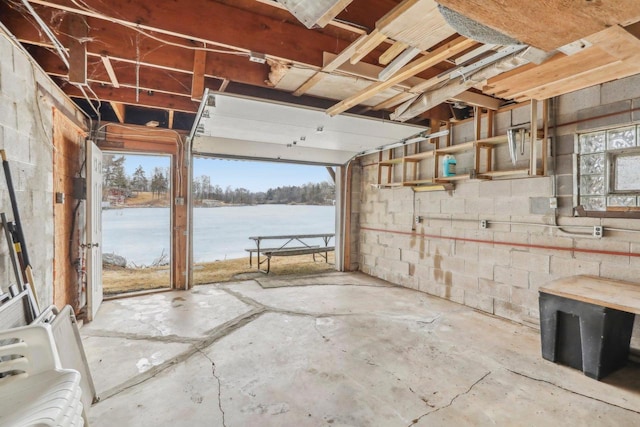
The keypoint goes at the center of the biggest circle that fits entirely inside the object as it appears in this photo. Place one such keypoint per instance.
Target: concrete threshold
(238, 354)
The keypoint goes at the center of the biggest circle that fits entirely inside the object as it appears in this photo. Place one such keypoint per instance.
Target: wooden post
(533, 149)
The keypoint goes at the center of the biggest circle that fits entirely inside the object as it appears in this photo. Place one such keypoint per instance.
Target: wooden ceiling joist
(245, 32)
(445, 51)
(127, 96)
(390, 54)
(330, 67)
(77, 33)
(367, 45)
(116, 41)
(119, 110)
(197, 83)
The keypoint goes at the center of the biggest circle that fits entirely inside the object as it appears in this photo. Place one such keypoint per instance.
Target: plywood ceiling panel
(417, 23)
(548, 24)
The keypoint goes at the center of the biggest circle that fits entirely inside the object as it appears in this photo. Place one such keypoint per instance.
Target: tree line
(116, 179)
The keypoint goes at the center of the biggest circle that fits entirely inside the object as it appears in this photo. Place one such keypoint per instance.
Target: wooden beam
(418, 23)
(227, 26)
(396, 49)
(106, 38)
(224, 85)
(330, 67)
(367, 45)
(128, 96)
(197, 83)
(533, 146)
(458, 45)
(477, 126)
(77, 31)
(119, 110)
(170, 120)
(478, 100)
(110, 71)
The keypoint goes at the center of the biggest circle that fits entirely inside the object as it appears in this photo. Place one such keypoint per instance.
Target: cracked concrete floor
(236, 354)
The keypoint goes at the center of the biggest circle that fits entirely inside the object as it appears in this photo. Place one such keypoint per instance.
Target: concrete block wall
(499, 269)
(27, 97)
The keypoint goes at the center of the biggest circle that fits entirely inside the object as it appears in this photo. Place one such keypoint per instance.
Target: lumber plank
(389, 55)
(197, 83)
(330, 67)
(368, 44)
(553, 25)
(77, 30)
(454, 47)
(616, 294)
(418, 23)
(119, 110)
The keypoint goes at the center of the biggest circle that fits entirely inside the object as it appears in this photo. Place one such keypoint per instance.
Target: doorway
(136, 222)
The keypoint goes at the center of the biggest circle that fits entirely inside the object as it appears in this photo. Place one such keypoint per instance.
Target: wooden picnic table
(285, 248)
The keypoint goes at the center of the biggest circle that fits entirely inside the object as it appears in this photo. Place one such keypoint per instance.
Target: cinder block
(613, 271)
(565, 144)
(524, 297)
(604, 245)
(520, 115)
(563, 266)
(530, 261)
(452, 206)
(511, 276)
(8, 112)
(570, 103)
(509, 310)
(482, 207)
(617, 113)
(410, 255)
(495, 189)
(564, 164)
(467, 189)
(503, 122)
(467, 250)
(621, 89)
(531, 187)
(463, 281)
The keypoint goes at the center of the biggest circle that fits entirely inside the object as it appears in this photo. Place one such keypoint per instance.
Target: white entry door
(94, 230)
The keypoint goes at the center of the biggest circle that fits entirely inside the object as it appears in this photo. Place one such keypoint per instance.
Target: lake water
(141, 234)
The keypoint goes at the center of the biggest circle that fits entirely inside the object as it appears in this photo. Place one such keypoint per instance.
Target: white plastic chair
(34, 390)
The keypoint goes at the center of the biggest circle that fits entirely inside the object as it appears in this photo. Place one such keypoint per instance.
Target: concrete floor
(309, 353)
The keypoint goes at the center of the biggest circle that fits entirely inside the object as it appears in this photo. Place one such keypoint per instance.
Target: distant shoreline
(222, 205)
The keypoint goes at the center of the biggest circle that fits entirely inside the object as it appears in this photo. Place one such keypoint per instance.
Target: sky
(254, 176)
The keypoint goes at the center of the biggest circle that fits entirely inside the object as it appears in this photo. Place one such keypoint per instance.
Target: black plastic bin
(585, 336)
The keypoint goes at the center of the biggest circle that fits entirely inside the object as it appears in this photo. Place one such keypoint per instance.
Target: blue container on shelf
(449, 165)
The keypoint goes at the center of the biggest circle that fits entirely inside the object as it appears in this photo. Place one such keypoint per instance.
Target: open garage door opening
(241, 207)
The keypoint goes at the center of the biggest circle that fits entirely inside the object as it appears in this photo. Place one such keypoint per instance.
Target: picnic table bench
(586, 322)
(302, 247)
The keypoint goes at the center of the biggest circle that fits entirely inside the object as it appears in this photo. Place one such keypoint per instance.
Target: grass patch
(116, 280)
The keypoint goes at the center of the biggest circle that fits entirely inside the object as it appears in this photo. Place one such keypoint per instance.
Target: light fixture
(259, 58)
(152, 124)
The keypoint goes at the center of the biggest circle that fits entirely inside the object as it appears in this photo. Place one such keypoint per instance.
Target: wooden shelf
(420, 156)
(418, 182)
(496, 140)
(391, 162)
(452, 178)
(511, 172)
(456, 148)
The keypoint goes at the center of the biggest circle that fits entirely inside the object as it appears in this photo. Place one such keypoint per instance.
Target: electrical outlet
(598, 231)
(483, 223)
(418, 219)
(179, 201)
(553, 203)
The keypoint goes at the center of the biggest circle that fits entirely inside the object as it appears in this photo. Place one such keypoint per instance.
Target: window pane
(627, 173)
(622, 201)
(593, 203)
(592, 185)
(592, 164)
(621, 138)
(592, 142)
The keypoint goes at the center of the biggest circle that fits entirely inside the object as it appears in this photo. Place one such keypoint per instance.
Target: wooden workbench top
(616, 294)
